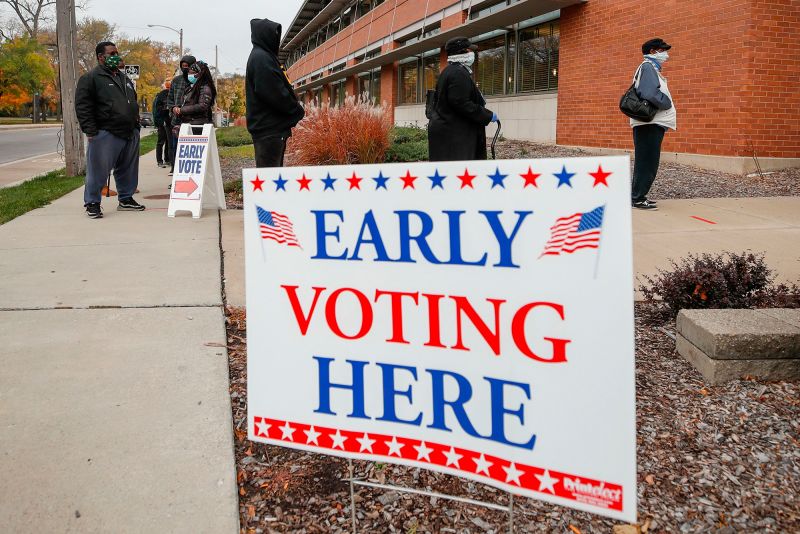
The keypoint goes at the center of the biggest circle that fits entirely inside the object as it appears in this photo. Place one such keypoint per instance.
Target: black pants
(270, 151)
(647, 155)
(173, 149)
(162, 145)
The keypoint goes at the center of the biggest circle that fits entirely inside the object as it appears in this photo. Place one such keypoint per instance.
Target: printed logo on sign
(596, 494)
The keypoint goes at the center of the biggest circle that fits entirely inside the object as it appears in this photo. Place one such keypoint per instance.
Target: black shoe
(160, 163)
(645, 205)
(93, 210)
(128, 204)
(653, 202)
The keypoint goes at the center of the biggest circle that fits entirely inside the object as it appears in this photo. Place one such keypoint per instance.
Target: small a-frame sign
(197, 180)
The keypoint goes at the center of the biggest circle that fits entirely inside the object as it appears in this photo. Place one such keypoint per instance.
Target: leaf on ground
(650, 479)
(574, 529)
(626, 529)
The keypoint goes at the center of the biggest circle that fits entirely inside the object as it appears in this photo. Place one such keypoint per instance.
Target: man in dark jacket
(457, 128)
(272, 105)
(177, 91)
(160, 119)
(108, 112)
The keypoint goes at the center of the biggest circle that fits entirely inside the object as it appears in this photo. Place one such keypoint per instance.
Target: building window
(490, 63)
(409, 77)
(430, 71)
(369, 86)
(538, 58)
(363, 7)
(337, 93)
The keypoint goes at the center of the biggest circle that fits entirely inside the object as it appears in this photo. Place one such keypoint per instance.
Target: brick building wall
(733, 73)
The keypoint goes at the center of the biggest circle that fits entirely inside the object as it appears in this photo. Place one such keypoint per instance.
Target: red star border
(257, 183)
(600, 177)
(466, 179)
(304, 182)
(441, 457)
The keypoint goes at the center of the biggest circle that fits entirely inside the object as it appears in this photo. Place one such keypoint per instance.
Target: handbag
(634, 106)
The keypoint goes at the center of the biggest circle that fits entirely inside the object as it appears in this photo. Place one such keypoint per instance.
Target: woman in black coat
(457, 128)
(198, 100)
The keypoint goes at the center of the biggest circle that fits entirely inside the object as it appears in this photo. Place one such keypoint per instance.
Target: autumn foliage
(355, 132)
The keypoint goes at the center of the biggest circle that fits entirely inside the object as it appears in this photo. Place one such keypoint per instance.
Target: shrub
(409, 143)
(356, 132)
(726, 280)
(233, 136)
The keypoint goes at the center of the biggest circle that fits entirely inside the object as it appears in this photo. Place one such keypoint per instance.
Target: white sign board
(197, 178)
(132, 71)
(473, 318)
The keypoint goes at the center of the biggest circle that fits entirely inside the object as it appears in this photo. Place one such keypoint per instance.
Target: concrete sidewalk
(769, 225)
(114, 403)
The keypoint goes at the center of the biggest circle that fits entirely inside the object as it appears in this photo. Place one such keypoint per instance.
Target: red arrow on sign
(186, 186)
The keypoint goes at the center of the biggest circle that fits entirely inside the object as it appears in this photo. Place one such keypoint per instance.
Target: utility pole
(67, 64)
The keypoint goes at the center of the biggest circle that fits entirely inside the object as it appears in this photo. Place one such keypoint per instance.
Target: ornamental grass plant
(355, 132)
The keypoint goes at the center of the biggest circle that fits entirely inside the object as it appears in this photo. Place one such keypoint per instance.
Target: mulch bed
(673, 180)
(720, 459)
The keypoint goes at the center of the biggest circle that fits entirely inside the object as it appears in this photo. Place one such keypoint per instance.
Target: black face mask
(185, 73)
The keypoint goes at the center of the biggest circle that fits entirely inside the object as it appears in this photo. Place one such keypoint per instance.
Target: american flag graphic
(581, 230)
(276, 227)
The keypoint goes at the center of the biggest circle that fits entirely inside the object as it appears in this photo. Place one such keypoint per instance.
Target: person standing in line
(108, 112)
(457, 128)
(175, 97)
(272, 105)
(198, 103)
(160, 118)
(648, 136)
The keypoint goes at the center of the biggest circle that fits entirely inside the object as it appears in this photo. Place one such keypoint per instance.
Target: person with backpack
(458, 116)
(175, 96)
(651, 86)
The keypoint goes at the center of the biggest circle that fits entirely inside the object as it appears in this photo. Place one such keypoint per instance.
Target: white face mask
(661, 57)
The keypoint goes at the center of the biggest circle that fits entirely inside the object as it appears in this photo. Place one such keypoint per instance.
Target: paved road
(21, 144)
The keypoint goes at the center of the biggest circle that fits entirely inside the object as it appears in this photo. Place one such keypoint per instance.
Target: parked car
(145, 119)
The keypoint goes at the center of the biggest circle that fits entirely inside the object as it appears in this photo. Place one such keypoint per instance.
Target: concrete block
(739, 334)
(720, 371)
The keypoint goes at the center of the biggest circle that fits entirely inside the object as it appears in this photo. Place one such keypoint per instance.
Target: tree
(25, 71)
(90, 32)
(230, 95)
(156, 60)
(31, 14)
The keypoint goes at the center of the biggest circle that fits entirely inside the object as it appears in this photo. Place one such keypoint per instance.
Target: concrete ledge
(742, 334)
(731, 164)
(720, 371)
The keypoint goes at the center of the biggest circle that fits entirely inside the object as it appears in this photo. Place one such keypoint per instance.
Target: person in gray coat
(651, 85)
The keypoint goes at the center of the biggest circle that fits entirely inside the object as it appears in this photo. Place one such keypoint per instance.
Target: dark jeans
(162, 145)
(108, 152)
(270, 151)
(647, 155)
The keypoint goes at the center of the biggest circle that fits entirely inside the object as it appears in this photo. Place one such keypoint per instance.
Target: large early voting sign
(197, 178)
(474, 318)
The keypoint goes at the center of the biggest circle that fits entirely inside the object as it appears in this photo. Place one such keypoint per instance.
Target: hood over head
(188, 59)
(266, 34)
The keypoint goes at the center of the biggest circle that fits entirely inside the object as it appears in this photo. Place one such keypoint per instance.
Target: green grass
(147, 143)
(23, 120)
(35, 193)
(241, 151)
(233, 136)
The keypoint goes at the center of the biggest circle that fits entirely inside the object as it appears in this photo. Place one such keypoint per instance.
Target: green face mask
(112, 62)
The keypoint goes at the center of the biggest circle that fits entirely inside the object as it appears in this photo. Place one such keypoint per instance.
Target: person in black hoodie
(272, 105)
(108, 112)
(160, 118)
